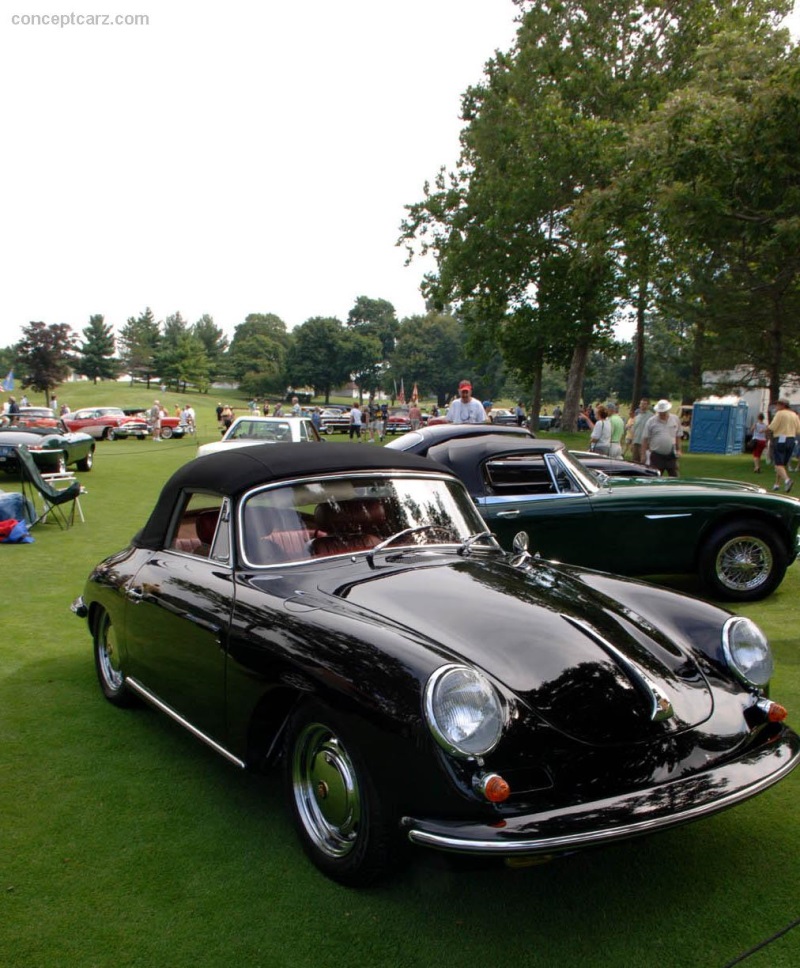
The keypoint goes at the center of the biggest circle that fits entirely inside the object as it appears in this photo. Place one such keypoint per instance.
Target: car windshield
(319, 518)
(591, 482)
(266, 430)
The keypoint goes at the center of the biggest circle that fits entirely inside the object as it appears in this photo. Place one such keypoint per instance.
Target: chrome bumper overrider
(616, 818)
(79, 607)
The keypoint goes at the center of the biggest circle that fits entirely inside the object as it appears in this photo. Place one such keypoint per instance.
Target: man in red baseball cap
(466, 409)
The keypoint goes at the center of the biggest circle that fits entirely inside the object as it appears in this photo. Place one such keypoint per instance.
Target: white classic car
(246, 431)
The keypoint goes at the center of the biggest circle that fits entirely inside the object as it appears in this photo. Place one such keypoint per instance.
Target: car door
(180, 604)
(535, 493)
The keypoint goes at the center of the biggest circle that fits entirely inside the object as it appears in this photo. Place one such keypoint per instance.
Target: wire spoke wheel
(744, 563)
(743, 560)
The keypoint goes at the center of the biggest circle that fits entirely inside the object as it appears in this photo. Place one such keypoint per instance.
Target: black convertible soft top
(233, 472)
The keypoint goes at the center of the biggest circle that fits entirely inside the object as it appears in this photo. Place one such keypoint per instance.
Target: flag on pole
(401, 396)
(8, 383)
(415, 393)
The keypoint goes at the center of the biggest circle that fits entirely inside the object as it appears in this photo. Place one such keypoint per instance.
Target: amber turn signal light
(493, 787)
(773, 711)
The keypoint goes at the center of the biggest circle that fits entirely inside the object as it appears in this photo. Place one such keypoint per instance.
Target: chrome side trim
(589, 838)
(665, 517)
(660, 704)
(153, 700)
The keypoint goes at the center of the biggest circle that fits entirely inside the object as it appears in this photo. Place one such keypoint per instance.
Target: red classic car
(96, 421)
(31, 417)
(103, 422)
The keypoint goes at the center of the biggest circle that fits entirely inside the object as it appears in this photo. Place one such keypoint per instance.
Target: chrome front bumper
(617, 818)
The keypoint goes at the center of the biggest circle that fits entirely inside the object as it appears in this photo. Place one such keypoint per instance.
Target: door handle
(508, 514)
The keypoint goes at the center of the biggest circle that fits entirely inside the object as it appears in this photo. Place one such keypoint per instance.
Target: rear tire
(743, 561)
(107, 664)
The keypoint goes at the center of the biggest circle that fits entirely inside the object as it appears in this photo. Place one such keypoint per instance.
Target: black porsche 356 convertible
(344, 611)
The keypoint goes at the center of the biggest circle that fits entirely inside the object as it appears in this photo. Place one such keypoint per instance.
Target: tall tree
(548, 125)
(375, 317)
(258, 353)
(430, 352)
(317, 356)
(97, 360)
(45, 355)
(215, 343)
(725, 153)
(181, 357)
(138, 340)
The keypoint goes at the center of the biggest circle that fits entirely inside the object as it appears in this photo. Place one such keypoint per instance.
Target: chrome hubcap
(109, 659)
(744, 563)
(325, 788)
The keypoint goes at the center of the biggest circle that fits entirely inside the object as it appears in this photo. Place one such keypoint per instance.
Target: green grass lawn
(125, 842)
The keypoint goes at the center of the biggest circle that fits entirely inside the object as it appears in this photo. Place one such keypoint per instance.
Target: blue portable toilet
(718, 427)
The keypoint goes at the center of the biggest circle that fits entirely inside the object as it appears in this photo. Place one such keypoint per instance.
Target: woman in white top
(759, 432)
(600, 441)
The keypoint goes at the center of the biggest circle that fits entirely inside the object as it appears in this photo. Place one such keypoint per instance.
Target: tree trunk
(575, 378)
(536, 402)
(638, 366)
(776, 353)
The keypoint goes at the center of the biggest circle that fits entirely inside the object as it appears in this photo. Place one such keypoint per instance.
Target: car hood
(584, 663)
(687, 485)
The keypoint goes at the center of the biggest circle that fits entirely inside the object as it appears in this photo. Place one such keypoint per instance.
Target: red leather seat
(348, 526)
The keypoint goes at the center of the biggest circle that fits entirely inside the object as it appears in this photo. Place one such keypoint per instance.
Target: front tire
(333, 802)
(85, 464)
(743, 561)
(166, 432)
(107, 664)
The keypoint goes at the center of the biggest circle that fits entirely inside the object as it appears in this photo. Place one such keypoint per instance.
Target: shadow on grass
(133, 844)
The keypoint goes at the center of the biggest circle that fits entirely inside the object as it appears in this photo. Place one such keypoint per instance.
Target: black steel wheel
(85, 464)
(107, 663)
(743, 561)
(334, 805)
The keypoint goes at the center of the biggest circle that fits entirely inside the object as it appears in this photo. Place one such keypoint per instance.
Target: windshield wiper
(403, 534)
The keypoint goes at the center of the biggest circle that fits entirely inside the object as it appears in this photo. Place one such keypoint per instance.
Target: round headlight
(464, 712)
(747, 651)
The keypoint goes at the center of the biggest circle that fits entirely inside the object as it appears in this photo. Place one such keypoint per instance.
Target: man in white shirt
(662, 437)
(466, 410)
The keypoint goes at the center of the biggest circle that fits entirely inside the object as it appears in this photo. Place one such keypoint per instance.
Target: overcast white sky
(225, 159)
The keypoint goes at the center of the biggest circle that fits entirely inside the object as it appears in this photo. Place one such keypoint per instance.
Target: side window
(564, 482)
(201, 525)
(303, 431)
(524, 474)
